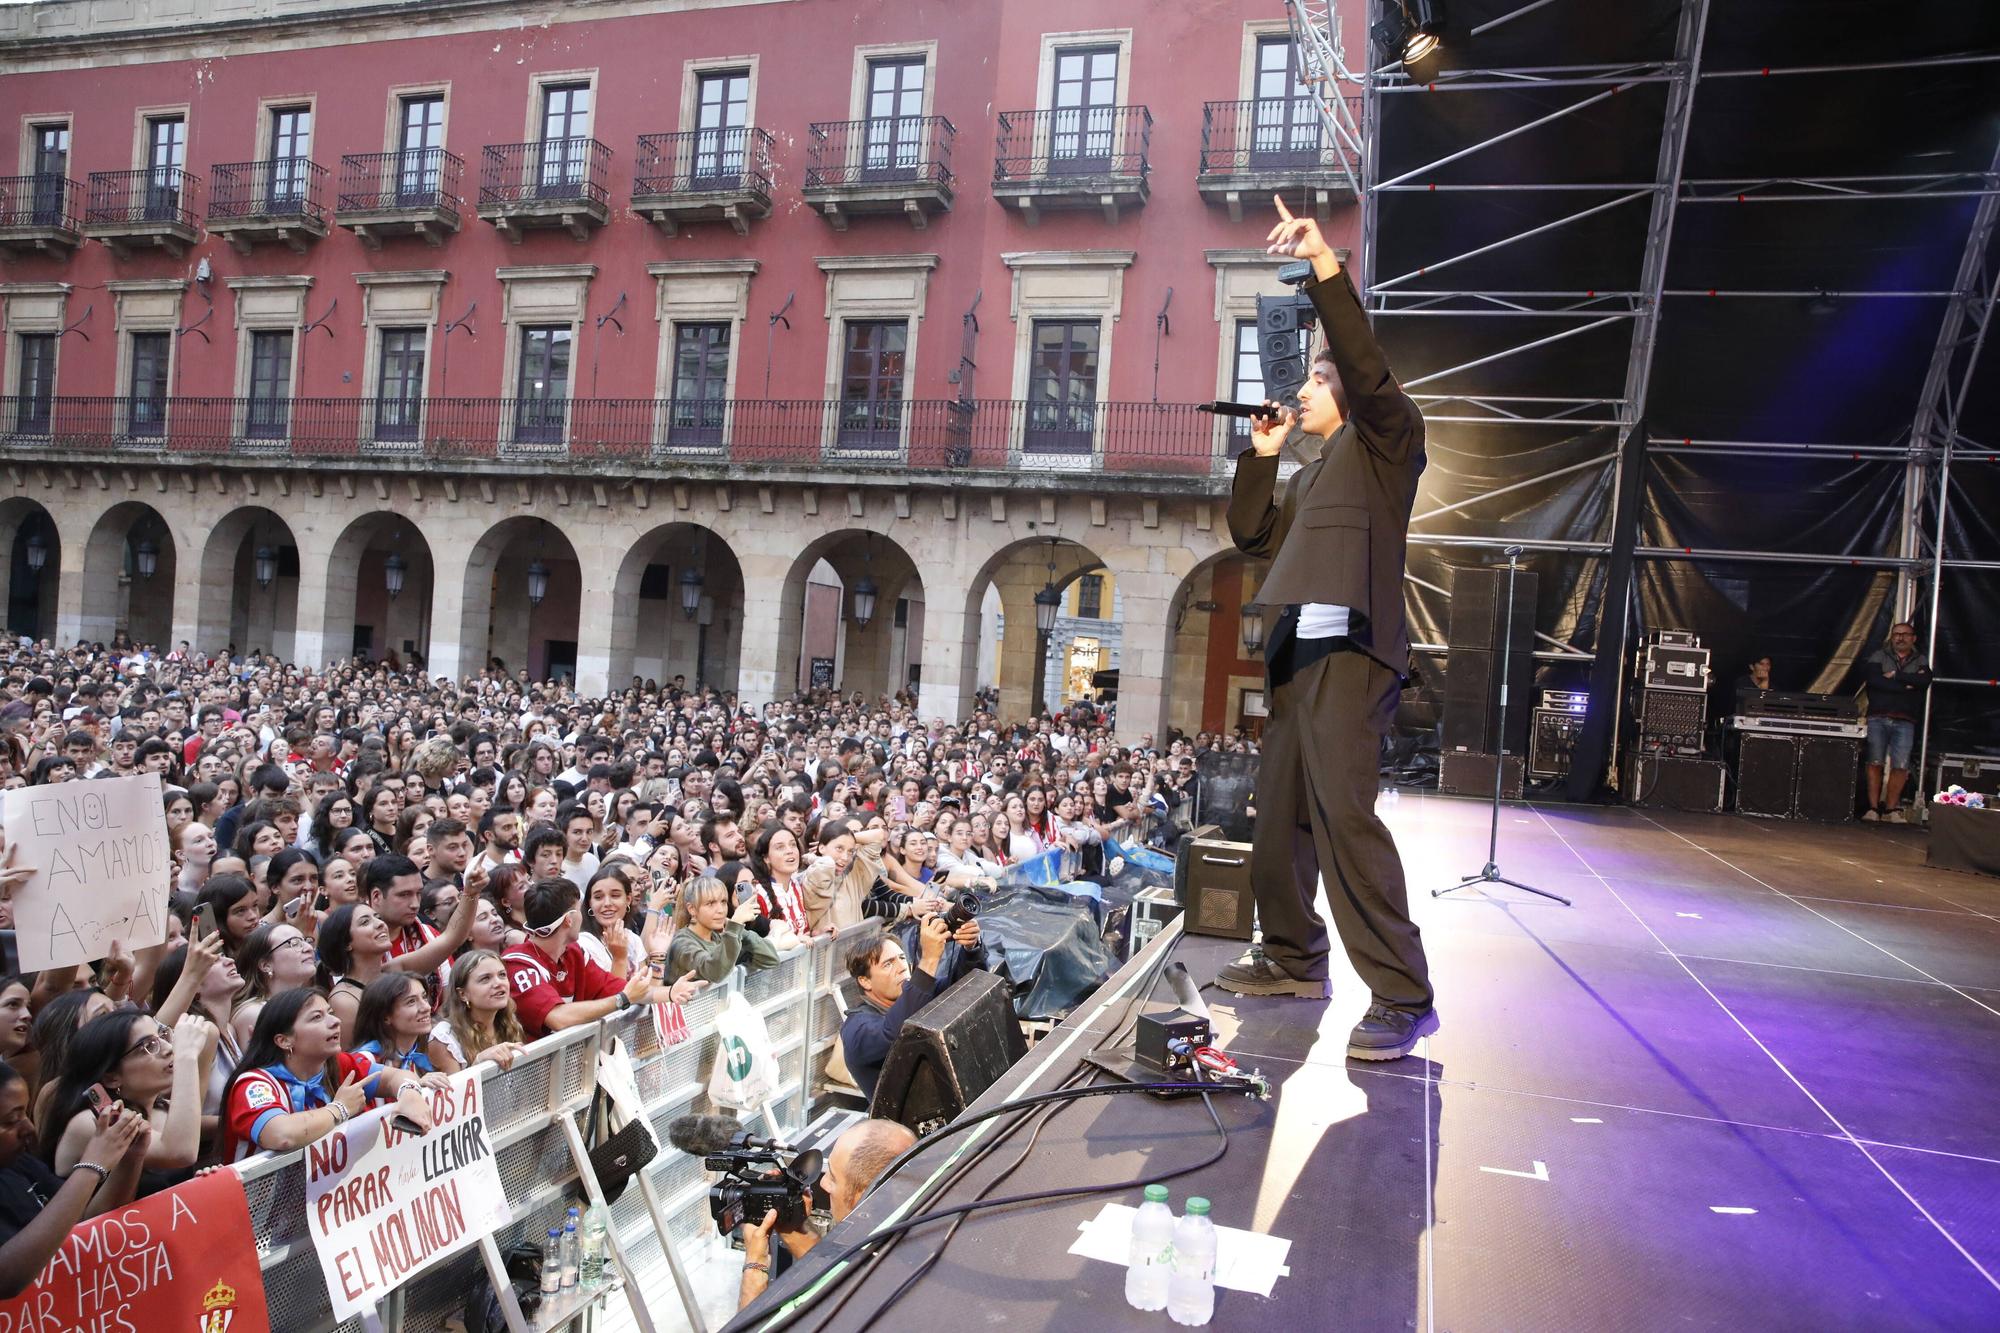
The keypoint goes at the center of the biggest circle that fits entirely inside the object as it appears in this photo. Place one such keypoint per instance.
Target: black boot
(1254, 974)
(1389, 1034)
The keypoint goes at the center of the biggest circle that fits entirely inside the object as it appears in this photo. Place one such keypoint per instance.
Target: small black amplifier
(1212, 881)
(1669, 782)
(1158, 1033)
(1469, 773)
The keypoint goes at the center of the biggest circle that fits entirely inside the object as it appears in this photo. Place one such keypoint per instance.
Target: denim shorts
(1891, 736)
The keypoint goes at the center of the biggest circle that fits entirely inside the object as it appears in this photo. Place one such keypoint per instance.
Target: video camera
(758, 1175)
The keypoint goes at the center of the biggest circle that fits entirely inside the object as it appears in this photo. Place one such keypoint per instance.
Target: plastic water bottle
(1151, 1257)
(569, 1244)
(552, 1263)
(1191, 1289)
(594, 1248)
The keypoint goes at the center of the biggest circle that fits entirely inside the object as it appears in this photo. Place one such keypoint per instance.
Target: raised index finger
(1283, 212)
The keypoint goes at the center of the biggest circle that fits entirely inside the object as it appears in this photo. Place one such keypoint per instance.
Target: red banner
(183, 1261)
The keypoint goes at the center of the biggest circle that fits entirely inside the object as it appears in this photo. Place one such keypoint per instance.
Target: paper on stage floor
(1244, 1260)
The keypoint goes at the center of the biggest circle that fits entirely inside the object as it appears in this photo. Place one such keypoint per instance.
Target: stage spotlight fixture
(1409, 30)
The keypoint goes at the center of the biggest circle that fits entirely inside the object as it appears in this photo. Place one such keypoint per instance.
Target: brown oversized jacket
(1338, 533)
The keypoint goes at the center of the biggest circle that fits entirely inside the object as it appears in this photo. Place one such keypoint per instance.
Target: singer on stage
(1335, 658)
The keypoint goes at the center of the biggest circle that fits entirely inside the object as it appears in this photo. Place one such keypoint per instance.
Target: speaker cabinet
(1470, 773)
(949, 1051)
(1552, 741)
(1475, 637)
(1829, 767)
(1668, 782)
(1212, 882)
(1767, 776)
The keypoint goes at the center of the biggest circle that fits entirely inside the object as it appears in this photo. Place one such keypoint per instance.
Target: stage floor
(1750, 1079)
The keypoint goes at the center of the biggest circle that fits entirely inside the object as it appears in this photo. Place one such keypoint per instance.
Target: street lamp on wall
(538, 582)
(266, 565)
(392, 574)
(146, 559)
(38, 553)
(691, 584)
(865, 593)
(1253, 630)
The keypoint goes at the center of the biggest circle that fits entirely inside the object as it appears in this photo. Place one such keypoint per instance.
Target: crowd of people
(379, 879)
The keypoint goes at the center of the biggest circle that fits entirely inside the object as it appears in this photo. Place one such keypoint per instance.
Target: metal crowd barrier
(553, 1081)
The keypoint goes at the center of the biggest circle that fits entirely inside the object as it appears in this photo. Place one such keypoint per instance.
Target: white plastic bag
(746, 1065)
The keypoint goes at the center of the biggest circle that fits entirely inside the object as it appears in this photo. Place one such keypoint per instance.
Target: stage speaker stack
(1212, 882)
(1284, 332)
(1469, 731)
(949, 1051)
(1767, 776)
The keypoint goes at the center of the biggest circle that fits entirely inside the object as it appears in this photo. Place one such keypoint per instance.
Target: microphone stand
(1490, 872)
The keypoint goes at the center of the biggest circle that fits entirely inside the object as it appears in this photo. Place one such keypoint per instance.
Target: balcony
(132, 211)
(278, 201)
(735, 438)
(1091, 157)
(703, 176)
(38, 215)
(1278, 145)
(410, 193)
(890, 164)
(554, 183)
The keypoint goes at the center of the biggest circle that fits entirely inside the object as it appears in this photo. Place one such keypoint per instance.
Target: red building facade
(816, 243)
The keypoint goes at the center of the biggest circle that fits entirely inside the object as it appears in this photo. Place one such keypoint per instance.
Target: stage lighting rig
(1409, 30)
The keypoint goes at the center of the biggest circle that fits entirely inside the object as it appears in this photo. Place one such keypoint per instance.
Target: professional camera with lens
(960, 908)
(757, 1179)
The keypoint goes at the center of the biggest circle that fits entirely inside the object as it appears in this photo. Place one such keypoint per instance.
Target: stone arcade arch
(28, 533)
(1208, 668)
(1019, 570)
(373, 554)
(501, 573)
(233, 601)
(117, 593)
(874, 658)
(653, 634)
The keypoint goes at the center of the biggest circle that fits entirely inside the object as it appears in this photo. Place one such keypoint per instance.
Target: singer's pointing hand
(1299, 238)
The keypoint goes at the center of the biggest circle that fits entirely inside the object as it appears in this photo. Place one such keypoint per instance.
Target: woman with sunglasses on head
(295, 1083)
(157, 1071)
(479, 1016)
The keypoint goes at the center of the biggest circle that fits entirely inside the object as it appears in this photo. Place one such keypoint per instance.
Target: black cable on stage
(1017, 1106)
(786, 1318)
(979, 1200)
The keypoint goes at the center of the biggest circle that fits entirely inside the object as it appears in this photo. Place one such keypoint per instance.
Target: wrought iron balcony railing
(703, 162)
(1073, 143)
(277, 188)
(412, 180)
(1273, 136)
(45, 201)
(154, 196)
(883, 150)
(547, 171)
(987, 435)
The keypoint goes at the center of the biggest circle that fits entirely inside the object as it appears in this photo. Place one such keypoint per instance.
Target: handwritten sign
(384, 1206)
(102, 863)
(184, 1259)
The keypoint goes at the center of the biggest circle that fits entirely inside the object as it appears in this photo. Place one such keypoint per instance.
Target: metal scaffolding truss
(1508, 175)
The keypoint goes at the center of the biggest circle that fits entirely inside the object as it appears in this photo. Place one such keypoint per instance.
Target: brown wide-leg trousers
(1316, 817)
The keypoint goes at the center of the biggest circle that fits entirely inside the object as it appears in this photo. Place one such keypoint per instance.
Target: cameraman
(859, 1155)
(891, 992)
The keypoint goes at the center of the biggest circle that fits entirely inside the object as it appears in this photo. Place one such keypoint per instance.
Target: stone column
(949, 654)
(448, 655)
(1145, 652)
(773, 619)
(597, 612)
